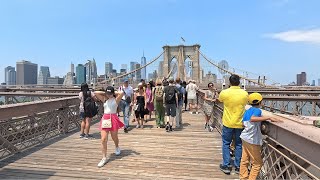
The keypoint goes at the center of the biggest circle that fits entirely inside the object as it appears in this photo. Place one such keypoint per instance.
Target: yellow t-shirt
(234, 100)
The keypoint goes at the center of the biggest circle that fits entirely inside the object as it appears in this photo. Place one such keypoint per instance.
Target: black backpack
(90, 107)
(180, 95)
(170, 95)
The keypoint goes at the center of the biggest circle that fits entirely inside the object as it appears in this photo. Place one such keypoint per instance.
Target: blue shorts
(82, 115)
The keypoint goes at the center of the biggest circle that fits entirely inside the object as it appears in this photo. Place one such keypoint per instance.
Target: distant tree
(1, 103)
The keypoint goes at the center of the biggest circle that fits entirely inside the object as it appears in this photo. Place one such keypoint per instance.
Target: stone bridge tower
(181, 53)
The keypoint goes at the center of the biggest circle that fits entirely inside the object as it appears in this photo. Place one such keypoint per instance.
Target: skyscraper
(10, 75)
(80, 74)
(124, 66)
(91, 71)
(55, 80)
(137, 73)
(108, 68)
(26, 73)
(72, 69)
(301, 79)
(44, 74)
(132, 67)
(143, 70)
(150, 76)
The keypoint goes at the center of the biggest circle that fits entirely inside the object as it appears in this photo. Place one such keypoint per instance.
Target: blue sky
(276, 38)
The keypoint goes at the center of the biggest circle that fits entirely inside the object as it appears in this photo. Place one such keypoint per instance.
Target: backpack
(159, 93)
(127, 98)
(90, 107)
(171, 95)
(180, 95)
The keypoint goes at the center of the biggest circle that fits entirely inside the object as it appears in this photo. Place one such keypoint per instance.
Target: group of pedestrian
(167, 98)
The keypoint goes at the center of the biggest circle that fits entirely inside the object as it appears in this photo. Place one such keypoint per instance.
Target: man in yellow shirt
(234, 100)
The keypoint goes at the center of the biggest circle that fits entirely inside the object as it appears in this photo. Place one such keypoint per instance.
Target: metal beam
(30, 108)
(38, 94)
(300, 138)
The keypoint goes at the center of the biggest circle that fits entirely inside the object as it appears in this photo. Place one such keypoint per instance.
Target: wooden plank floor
(149, 153)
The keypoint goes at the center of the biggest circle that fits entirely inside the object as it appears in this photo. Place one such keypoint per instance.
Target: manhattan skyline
(276, 38)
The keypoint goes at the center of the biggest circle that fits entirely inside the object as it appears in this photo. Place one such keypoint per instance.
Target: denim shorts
(82, 115)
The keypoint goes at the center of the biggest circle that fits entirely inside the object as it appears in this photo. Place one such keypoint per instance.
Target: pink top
(149, 95)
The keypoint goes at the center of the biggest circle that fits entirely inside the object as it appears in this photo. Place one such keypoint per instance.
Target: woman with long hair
(85, 114)
(140, 105)
(209, 99)
(111, 100)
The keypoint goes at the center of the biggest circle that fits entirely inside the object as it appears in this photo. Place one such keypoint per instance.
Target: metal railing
(27, 124)
(280, 162)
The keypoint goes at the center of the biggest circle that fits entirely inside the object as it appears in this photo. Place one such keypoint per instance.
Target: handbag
(135, 107)
(106, 123)
(128, 99)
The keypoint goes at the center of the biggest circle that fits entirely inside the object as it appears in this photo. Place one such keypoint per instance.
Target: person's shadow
(124, 153)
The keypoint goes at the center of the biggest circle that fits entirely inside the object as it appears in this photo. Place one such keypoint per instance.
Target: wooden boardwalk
(149, 153)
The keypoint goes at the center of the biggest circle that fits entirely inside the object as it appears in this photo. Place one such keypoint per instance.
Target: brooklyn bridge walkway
(149, 153)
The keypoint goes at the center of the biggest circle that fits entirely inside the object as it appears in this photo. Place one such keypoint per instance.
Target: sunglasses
(211, 86)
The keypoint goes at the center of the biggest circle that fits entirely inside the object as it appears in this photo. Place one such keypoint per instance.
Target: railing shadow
(12, 173)
(20, 155)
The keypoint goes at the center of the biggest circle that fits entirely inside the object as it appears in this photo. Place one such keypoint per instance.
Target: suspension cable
(229, 72)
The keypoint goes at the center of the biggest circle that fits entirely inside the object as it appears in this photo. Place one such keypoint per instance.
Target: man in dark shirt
(170, 101)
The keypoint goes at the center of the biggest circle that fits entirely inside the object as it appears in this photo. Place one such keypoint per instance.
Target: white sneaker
(118, 151)
(137, 126)
(102, 162)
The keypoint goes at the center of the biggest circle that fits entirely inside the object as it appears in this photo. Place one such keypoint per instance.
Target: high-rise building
(137, 73)
(143, 70)
(124, 66)
(55, 80)
(313, 83)
(26, 73)
(44, 74)
(80, 74)
(301, 79)
(108, 68)
(155, 75)
(318, 82)
(10, 75)
(132, 68)
(123, 71)
(72, 69)
(91, 71)
(150, 76)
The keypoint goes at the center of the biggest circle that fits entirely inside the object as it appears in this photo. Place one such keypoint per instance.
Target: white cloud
(307, 36)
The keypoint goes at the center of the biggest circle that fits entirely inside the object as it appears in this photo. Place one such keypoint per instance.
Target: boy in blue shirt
(252, 138)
